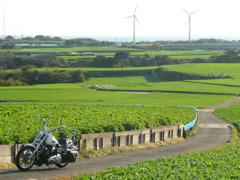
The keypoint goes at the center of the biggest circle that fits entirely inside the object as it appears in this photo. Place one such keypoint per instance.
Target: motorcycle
(45, 149)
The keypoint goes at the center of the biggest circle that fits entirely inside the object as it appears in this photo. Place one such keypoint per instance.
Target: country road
(213, 132)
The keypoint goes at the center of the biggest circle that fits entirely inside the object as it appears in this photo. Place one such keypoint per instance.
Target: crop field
(221, 163)
(231, 114)
(71, 49)
(110, 52)
(91, 69)
(75, 93)
(24, 106)
(177, 86)
(173, 54)
(20, 121)
(232, 69)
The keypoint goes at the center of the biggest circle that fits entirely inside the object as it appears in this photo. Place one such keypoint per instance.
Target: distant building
(89, 54)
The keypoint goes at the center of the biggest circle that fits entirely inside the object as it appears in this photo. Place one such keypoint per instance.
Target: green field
(199, 93)
(221, 163)
(173, 54)
(19, 122)
(110, 52)
(232, 69)
(91, 69)
(71, 49)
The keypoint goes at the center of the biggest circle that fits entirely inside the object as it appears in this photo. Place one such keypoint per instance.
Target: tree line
(10, 61)
(124, 59)
(28, 76)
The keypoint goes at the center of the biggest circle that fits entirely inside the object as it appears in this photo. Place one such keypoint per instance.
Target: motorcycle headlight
(40, 134)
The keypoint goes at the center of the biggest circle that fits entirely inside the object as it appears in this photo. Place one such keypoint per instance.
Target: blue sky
(161, 19)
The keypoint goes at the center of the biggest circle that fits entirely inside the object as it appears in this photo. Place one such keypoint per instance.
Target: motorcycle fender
(23, 145)
(31, 145)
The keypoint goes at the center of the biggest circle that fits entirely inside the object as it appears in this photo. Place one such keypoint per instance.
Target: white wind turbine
(134, 18)
(189, 22)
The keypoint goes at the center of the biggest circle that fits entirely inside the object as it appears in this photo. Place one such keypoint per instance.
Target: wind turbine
(189, 22)
(134, 19)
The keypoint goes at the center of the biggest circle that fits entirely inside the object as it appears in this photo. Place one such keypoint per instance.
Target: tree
(228, 57)
(9, 38)
(40, 37)
(121, 55)
(77, 76)
(162, 60)
(102, 61)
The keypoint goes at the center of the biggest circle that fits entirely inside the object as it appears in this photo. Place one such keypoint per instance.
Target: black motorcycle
(45, 149)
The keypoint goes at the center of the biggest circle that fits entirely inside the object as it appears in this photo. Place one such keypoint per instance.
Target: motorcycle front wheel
(23, 162)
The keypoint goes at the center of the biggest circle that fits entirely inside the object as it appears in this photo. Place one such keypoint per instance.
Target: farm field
(110, 52)
(71, 49)
(179, 57)
(232, 69)
(173, 54)
(221, 163)
(26, 119)
(199, 93)
(91, 69)
(78, 93)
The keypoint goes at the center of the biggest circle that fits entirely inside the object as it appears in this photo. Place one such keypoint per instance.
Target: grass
(74, 93)
(194, 93)
(203, 69)
(91, 69)
(71, 49)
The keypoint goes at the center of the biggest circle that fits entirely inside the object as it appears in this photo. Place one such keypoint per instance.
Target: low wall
(106, 140)
(126, 138)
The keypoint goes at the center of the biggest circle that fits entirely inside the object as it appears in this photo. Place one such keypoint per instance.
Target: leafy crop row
(18, 122)
(221, 163)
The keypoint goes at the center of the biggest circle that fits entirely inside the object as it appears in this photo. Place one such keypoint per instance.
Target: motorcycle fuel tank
(50, 140)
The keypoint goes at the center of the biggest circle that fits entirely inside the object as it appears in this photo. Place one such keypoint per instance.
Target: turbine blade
(195, 11)
(136, 19)
(135, 9)
(185, 11)
(128, 17)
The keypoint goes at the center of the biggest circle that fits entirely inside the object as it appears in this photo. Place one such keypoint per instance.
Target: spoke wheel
(23, 160)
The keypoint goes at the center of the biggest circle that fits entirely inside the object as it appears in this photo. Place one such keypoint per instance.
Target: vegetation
(20, 121)
(221, 163)
(10, 61)
(29, 76)
(231, 114)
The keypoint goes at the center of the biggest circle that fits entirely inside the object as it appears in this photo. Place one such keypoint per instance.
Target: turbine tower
(189, 23)
(134, 19)
(4, 24)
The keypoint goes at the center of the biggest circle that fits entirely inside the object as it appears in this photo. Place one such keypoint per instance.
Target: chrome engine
(56, 159)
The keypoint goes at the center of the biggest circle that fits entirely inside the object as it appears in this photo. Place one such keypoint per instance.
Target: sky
(106, 19)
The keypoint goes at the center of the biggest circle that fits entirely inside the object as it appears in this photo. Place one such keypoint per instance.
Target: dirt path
(213, 132)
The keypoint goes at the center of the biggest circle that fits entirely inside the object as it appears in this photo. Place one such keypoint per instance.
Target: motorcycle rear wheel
(62, 164)
(23, 162)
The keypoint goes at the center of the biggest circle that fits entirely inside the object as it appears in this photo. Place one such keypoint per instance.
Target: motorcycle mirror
(73, 133)
(44, 122)
(63, 126)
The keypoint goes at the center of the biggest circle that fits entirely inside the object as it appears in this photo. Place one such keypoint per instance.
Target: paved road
(213, 132)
